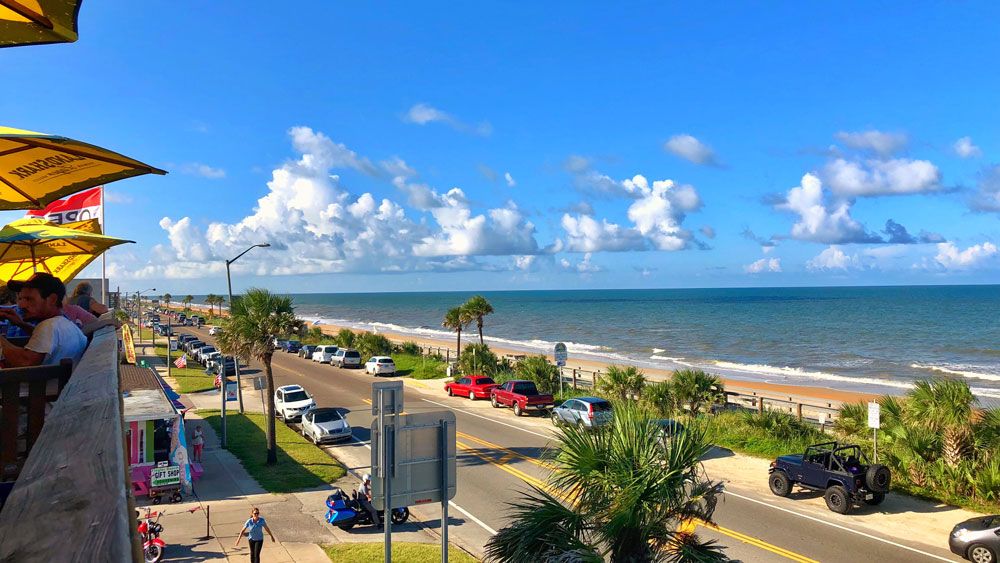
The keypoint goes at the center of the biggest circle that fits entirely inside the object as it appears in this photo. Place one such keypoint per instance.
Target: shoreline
(653, 374)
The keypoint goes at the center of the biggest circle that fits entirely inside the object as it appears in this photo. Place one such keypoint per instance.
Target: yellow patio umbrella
(30, 245)
(37, 22)
(36, 168)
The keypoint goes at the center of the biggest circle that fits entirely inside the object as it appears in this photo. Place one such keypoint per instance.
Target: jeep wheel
(837, 499)
(876, 499)
(877, 478)
(780, 484)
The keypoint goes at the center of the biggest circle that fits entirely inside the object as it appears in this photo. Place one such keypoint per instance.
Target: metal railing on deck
(71, 501)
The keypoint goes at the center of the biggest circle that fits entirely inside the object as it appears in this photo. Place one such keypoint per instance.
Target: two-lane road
(499, 454)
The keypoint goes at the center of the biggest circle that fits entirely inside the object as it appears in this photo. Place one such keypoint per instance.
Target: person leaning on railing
(53, 337)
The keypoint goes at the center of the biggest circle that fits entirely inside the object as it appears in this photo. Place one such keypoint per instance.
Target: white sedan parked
(380, 365)
(325, 425)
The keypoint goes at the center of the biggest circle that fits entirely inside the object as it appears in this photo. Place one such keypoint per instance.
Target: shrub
(346, 338)
(697, 390)
(658, 398)
(478, 358)
(369, 344)
(539, 370)
(622, 382)
(411, 348)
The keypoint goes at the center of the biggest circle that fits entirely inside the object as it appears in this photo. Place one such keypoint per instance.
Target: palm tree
(697, 389)
(187, 301)
(210, 301)
(166, 297)
(618, 494)
(346, 338)
(945, 406)
(622, 382)
(658, 397)
(456, 319)
(476, 308)
(249, 333)
(220, 301)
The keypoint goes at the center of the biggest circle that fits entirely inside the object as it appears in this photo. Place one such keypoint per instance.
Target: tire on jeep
(877, 478)
(780, 484)
(837, 499)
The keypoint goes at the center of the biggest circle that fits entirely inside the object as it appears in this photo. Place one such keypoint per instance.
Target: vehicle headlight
(961, 533)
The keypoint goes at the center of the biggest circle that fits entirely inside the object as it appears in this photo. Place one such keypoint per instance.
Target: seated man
(54, 337)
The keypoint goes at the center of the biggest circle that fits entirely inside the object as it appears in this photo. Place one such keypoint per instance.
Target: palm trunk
(480, 323)
(272, 446)
(458, 353)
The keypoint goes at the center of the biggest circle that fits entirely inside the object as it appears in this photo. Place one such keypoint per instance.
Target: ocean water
(873, 339)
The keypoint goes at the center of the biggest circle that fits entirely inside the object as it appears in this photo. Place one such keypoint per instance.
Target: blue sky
(371, 143)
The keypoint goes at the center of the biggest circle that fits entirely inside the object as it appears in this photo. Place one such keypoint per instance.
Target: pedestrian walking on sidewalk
(198, 441)
(254, 529)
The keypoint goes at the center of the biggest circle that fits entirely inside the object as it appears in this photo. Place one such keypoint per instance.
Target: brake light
(590, 411)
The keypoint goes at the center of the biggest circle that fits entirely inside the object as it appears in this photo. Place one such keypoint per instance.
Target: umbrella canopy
(36, 169)
(30, 245)
(36, 22)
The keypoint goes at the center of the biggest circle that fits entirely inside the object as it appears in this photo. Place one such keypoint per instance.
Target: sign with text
(230, 391)
(128, 344)
(874, 415)
(560, 354)
(164, 476)
(77, 207)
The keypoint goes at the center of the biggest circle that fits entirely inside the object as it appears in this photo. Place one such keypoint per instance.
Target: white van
(323, 354)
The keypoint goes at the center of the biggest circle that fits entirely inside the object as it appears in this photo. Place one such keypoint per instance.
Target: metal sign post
(560, 357)
(443, 454)
(874, 422)
(387, 403)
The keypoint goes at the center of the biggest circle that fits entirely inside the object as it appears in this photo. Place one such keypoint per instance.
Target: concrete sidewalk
(206, 524)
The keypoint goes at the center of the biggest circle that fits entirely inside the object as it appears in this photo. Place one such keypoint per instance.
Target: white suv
(291, 402)
(380, 365)
(323, 354)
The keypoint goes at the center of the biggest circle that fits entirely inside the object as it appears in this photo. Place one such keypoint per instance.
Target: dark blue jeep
(843, 472)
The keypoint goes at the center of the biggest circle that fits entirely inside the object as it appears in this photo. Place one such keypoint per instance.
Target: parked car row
(318, 424)
(206, 354)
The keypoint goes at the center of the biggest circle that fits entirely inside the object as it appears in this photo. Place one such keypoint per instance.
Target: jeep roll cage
(835, 457)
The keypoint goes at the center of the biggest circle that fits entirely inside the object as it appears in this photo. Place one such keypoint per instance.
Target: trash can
(451, 370)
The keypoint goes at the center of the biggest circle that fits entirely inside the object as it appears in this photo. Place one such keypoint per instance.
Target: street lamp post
(138, 309)
(236, 361)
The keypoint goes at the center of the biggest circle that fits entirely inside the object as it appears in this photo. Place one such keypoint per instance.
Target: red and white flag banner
(80, 206)
(181, 362)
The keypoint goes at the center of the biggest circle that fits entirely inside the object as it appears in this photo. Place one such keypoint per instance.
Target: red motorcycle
(149, 533)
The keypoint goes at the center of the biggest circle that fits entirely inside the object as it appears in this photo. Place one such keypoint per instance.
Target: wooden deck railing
(71, 500)
(26, 390)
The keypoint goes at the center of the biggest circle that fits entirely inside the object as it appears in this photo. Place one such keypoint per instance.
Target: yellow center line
(757, 543)
(508, 451)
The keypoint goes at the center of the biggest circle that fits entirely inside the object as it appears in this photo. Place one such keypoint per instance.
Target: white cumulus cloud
(818, 221)
(691, 149)
(952, 258)
(422, 114)
(510, 179)
(203, 170)
(897, 176)
(880, 142)
(966, 149)
(763, 265)
(832, 258)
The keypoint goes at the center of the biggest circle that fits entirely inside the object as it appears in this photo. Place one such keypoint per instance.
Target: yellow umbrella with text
(36, 168)
(35, 245)
(37, 22)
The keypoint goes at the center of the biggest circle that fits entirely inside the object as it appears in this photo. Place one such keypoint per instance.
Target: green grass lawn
(189, 380)
(301, 465)
(401, 551)
(419, 367)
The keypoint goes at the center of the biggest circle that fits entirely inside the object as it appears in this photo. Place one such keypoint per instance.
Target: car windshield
(485, 381)
(384, 360)
(352, 355)
(526, 388)
(208, 350)
(601, 406)
(296, 396)
(327, 416)
(294, 342)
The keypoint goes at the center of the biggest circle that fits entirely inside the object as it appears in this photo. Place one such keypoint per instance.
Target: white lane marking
(488, 418)
(451, 503)
(838, 526)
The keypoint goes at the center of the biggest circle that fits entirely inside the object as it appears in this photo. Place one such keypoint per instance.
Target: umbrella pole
(34, 263)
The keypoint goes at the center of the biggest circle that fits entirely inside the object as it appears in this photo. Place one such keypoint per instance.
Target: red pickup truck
(472, 386)
(523, 396)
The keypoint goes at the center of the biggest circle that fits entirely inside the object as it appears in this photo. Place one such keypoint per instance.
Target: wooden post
(594, 378)
(447, 355)
(798, 408)
(760, 405)
(574, 379)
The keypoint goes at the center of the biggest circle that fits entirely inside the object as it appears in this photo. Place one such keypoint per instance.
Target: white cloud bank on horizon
(763, 265)
(691, 149)
(950, 257)
(422, 114)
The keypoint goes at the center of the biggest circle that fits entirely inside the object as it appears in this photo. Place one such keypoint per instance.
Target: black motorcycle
(346, 512)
